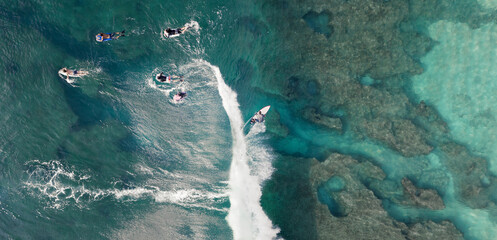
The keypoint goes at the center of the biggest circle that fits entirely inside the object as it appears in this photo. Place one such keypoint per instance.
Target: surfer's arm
(174, 78)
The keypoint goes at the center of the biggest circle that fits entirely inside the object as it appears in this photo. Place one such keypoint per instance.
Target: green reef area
(361, 154)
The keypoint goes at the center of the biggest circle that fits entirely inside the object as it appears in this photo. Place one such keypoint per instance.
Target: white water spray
(246, 216)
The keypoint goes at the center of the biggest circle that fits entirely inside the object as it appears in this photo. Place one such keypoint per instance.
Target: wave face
(245, 216)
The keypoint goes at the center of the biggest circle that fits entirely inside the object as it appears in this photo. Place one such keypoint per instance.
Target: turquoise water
(381, 126)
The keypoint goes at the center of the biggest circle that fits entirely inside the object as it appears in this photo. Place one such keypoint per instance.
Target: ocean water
(382, 123)
(111, 155)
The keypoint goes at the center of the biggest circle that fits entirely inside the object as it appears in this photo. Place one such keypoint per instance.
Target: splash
(245, 216)
(194, 25)
(62, 186)
(88, 66)
(166, 88)
(153, 84)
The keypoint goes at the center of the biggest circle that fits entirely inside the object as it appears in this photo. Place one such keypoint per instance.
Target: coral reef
(361, 62)
(321, 119)
(419, 197)
(365, 217)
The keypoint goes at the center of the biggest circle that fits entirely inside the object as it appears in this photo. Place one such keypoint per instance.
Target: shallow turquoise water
(111, 156)
(459, 80)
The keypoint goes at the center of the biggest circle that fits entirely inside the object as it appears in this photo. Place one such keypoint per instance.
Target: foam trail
(194, 25)
(62, 186)
(244, 125)
(245, 216)
(151, 82)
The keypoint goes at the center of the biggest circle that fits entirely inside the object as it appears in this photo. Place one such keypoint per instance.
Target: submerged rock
(365, 218)
(443, 230)
(471, 176)
(300, 88)
(385, 41)
(427, 198)
(274, 124)
(312, 115)
(362, 214)
(378, 39)
(401, 135)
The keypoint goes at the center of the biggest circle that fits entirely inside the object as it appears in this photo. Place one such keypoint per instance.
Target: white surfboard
(265, 109)
(259, 116)
(167, 35)
(79, 73)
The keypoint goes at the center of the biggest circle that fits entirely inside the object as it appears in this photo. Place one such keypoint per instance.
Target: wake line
(245, 216)
(64, 186)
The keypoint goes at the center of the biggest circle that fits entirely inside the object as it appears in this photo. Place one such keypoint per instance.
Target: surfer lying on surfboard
(171, 78)
(179, 96)
(175, 32)
(103, 37)
(72, 73)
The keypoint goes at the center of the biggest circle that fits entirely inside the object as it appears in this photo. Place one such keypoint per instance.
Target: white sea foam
(86, 66)
(260, 158)
(167, 89)
(192, 25)
(245, 216)
(62, 185)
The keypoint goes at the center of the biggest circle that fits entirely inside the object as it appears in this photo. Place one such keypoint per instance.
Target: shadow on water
(288, 198)
(244, 75)
(253, 25)
(26, 17)
(90, 111)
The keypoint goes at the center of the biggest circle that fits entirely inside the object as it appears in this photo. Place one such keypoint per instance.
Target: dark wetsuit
(162, 78)
(173, 31)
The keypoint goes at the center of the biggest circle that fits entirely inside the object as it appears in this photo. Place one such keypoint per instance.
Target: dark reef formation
(382, 40)
(321, 119)
(347, 66)
(365, 217)
(427, 198)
